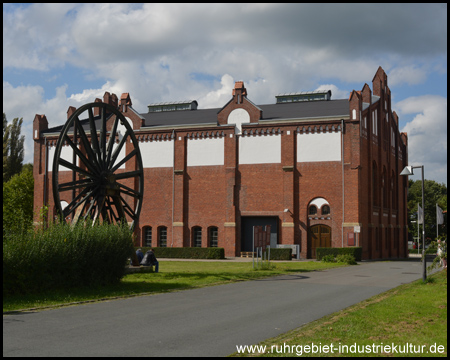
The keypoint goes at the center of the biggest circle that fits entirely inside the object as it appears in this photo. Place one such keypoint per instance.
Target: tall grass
(61, 256)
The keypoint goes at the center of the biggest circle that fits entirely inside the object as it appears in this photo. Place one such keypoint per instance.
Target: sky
(61, 55)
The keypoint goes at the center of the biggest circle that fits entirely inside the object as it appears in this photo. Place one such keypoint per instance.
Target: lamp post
(408, 170)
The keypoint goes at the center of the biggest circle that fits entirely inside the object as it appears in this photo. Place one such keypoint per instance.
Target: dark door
(247, 223)
(320, 236)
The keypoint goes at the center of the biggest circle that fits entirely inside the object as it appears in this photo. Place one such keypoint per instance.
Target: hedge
(356, 252)
(280, 254)
(207, 253)
(186, 252)
(62, 256)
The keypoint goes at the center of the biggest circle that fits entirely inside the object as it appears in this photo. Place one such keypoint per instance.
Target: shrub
(62, 256)
(346, 258)
(329, 258)
(280, 254)
(187, 252)
(356, 252)
(208, 253)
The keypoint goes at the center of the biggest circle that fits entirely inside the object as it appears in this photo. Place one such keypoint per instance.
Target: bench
(138, 269)
(247, 254)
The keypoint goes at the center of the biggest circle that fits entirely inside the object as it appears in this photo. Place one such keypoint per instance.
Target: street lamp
(408, 170)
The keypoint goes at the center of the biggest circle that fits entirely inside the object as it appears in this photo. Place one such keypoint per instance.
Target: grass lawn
(173, 276)
(412, 315)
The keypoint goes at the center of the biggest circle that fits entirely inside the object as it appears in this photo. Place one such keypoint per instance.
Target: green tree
(12, 147)
(18, 196)
(5, 146)
(434, 193)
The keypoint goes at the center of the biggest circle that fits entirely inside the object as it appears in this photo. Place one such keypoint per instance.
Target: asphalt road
(209, 321)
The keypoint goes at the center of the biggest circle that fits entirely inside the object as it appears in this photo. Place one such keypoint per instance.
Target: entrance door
(247, 223)
(320, 236)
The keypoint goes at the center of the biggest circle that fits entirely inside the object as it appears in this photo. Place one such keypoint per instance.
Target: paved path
(209, 321)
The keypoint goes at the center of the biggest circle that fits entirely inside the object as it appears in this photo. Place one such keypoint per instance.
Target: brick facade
(362, 189)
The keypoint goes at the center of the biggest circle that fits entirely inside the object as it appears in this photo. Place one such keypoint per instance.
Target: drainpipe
(343, 184)
(45, 173)
(173, 182)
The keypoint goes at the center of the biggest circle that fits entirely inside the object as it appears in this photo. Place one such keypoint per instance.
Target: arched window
(162, 236)
(148, 236)
(312, 210)
(325, 210)
(213, 233)
(197, 236)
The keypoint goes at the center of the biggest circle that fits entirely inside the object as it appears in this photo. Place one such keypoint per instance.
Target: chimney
(125, 101)
(70, 111)
(114, 100)
(239, 92)
(107, 98)
(97, 109)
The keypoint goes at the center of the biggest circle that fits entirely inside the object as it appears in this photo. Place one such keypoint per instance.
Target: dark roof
(183, 117)
(84, 123)
(297, 110)
(305, 109)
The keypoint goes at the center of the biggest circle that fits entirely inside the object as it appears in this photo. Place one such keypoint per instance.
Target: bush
(329, 258)
(346, 259)
(356, 252)
(208, 253)
(280, 254)
(186, 252)
(61, 257)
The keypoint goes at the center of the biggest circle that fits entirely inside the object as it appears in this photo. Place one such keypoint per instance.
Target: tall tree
(15, 150)
(5, 146)
(18, 201)
(434, 193)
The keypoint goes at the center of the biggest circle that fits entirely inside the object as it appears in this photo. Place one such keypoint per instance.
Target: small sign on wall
(351, 239)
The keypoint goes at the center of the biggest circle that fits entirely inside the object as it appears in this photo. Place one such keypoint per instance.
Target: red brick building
(315, 169)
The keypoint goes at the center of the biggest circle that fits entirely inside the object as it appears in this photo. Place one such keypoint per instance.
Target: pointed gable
(239, 109)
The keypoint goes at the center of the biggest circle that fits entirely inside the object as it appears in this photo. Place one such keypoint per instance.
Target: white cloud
(152, 51)
(335, 92)
(219, 97)
(427, 134)
(410, 75)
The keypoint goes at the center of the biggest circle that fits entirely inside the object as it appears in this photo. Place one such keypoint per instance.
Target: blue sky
(61, 55)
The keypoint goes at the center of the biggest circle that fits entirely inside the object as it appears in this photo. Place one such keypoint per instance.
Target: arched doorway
(320, 236)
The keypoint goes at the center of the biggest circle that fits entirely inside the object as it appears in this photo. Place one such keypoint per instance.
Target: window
(312, 210)
(375, 123)
(385, 188)
(148, 236)
(213, 236)
(374, 184)
(387, 239)
(197, 236)
(162, 236)
(393, 191)
(325, 210)
(377, 240)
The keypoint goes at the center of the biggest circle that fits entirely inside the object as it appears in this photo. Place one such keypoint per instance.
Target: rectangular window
(375, 123)
(213, 237)
(148, 236)
(163, 237)
(197, 237)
